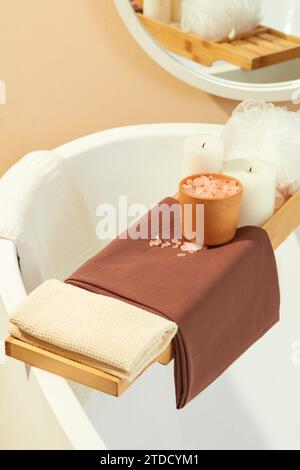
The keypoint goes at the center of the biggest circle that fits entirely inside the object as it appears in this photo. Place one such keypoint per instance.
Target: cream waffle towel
(99, 331)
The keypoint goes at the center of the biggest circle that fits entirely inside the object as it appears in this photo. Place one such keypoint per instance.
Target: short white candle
(259, 180)
(203, 154)
(176, 10)
(158, 9)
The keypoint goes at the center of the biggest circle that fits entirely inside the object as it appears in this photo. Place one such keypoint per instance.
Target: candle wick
(250, 171)
(203, 146)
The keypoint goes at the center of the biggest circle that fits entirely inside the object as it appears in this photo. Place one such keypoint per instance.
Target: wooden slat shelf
(279, 227)
(259, 48)
(71, 370)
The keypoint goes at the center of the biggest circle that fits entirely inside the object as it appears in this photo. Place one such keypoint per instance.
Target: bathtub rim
(107, 136)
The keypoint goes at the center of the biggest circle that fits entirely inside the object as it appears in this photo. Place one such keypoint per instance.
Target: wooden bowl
(220, 214)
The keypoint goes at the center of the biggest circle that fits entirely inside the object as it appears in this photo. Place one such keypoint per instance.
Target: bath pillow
(44, 213)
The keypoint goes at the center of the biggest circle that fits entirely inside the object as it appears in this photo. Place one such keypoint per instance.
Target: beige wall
(71, 68)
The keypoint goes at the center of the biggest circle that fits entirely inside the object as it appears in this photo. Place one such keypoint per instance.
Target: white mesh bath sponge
(219, 19)
(271, 133)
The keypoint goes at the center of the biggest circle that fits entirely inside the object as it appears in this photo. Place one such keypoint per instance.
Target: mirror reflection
(250, 41)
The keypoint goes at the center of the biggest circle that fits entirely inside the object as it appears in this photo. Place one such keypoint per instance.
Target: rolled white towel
(44, 213)
(95, 330)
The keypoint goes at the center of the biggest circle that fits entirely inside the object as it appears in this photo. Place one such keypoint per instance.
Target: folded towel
(223, 299)
(95, 330)
(43, 212)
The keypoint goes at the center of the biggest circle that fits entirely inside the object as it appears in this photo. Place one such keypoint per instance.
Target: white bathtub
(254, 405)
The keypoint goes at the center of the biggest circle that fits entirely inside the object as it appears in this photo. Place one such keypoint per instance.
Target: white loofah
(262, 130)
(218, 19)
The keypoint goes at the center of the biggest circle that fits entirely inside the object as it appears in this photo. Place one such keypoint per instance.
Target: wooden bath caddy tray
(253, 50)
(279, 227)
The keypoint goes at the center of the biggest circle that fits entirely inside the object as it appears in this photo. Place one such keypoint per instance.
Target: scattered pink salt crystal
(185, 247)
(156, 242)
(176, 243)
(191, 247)
(166, 245)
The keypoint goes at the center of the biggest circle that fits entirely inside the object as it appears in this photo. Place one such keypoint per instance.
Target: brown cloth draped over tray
(223, 299)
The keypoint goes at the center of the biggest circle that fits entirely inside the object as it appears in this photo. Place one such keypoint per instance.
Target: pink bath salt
(191, 247)
(211, 187)
(156, 242)
(197, 182)
(166, 244)
(201, 181)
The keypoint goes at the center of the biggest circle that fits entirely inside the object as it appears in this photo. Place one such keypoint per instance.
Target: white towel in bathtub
(99, 331)
(43, 212)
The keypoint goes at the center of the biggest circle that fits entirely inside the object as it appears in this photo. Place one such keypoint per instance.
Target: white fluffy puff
(219, 19)
(271, 133)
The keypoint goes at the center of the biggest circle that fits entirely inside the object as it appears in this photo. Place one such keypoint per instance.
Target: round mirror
(245, 54)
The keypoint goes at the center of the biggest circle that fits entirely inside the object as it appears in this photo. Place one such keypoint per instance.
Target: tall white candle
(176, 10)
(259, 180)
(158, 9)
(203, 154)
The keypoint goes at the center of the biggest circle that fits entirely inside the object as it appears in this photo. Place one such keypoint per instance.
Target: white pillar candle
(176, 10)
(158, 9)
(203, 154)
(259, 180)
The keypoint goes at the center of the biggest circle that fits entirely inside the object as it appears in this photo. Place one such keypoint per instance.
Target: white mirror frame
(284, 91)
